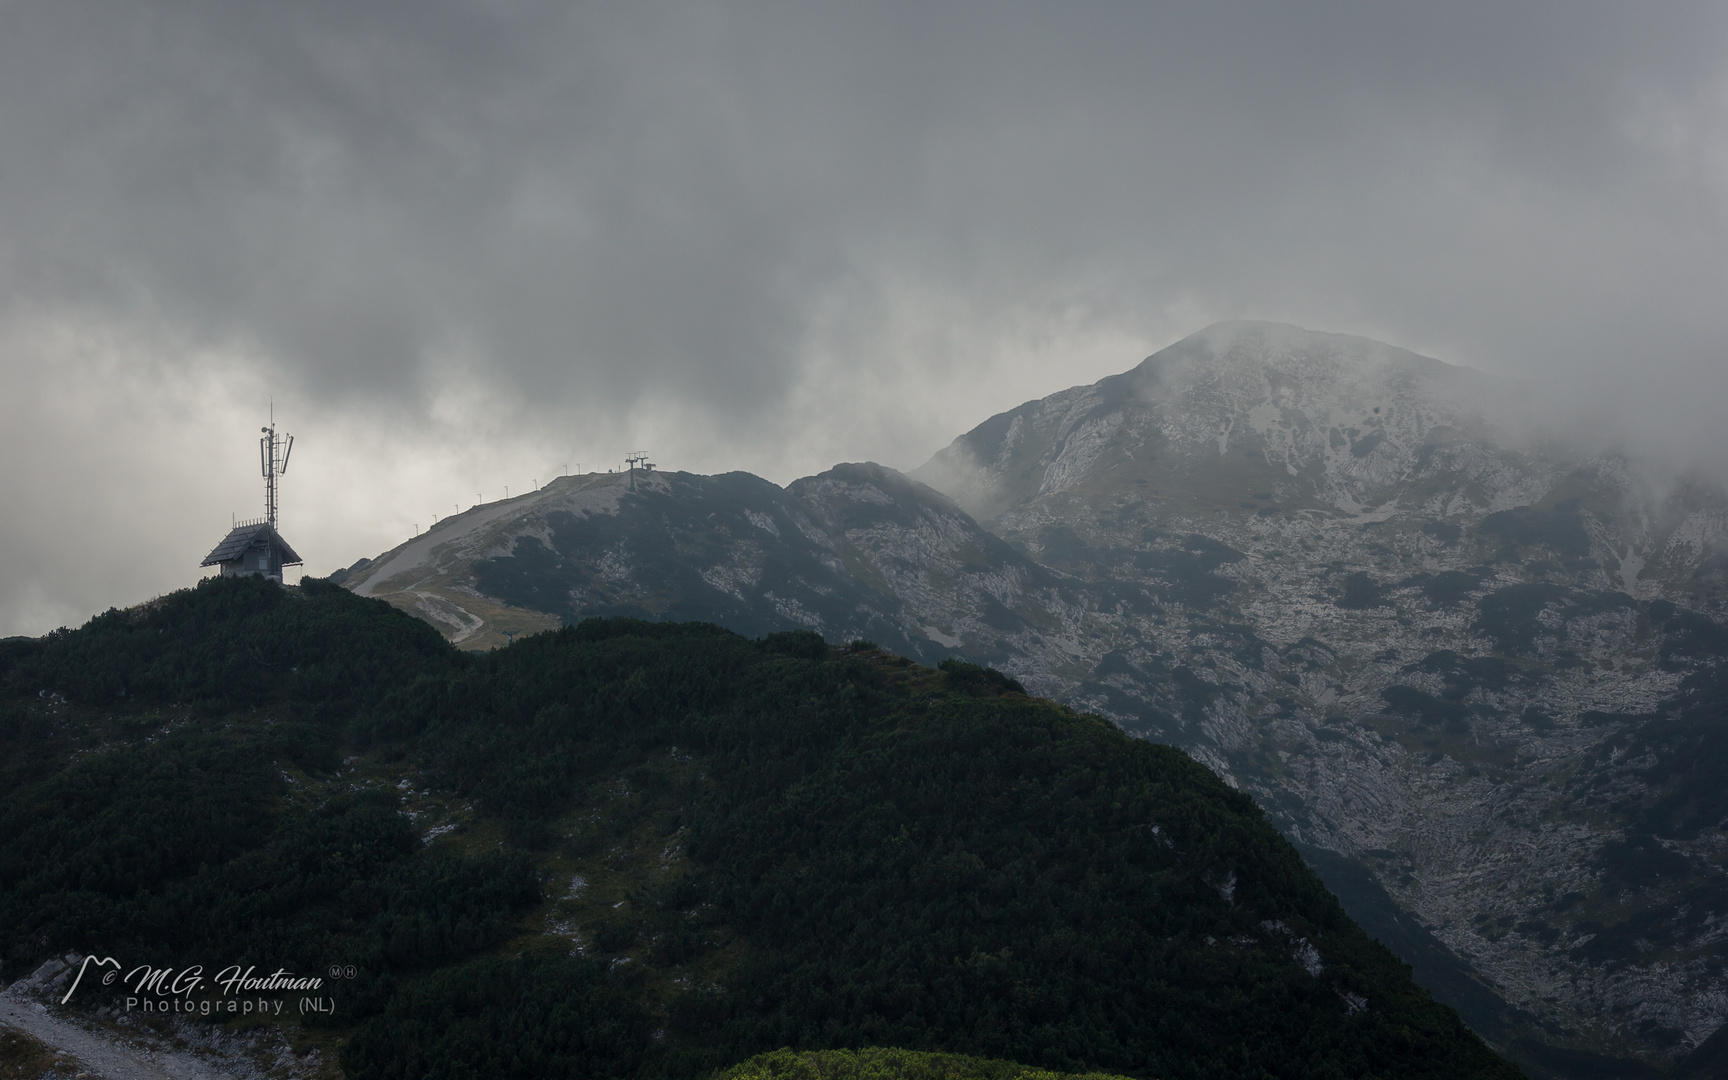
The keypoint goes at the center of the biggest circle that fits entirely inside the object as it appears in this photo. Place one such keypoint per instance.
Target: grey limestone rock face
(1425, 646)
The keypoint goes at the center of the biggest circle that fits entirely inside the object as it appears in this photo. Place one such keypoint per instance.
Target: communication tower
(255, 547)
(273, 451)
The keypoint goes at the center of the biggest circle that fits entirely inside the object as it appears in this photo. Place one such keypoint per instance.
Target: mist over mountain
(1458, 661)
(471, 245)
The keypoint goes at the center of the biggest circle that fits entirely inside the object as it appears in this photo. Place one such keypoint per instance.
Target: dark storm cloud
(786, 226)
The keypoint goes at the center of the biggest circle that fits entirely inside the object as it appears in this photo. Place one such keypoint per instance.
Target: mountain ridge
(1311, 563)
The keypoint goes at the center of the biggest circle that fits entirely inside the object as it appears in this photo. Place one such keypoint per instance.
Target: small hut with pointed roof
(253, 548)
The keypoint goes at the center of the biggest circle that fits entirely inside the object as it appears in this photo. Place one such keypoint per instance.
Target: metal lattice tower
(273, 451)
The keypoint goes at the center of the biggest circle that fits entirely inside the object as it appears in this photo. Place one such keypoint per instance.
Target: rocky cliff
(1425, 645)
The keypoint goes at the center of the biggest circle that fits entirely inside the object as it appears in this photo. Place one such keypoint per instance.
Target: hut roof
(247, 536)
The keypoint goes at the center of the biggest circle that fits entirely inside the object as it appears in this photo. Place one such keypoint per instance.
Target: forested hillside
(634, 849)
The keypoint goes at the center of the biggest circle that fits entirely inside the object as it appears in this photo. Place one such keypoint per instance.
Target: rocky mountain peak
(1315, 420)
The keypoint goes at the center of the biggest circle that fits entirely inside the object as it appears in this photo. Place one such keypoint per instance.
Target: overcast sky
(466, 246)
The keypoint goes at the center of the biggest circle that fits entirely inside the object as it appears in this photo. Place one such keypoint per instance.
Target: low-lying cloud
(466, 245)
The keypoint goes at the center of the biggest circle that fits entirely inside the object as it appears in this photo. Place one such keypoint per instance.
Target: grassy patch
(881, 1063)
(23, 1056)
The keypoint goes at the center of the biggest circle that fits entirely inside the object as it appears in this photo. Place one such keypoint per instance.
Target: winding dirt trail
(100, 1055)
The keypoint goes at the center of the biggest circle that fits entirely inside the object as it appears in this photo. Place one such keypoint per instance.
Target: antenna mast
(273, 451)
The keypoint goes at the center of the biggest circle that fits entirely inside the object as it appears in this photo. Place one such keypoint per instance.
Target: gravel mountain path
(99, 1055)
